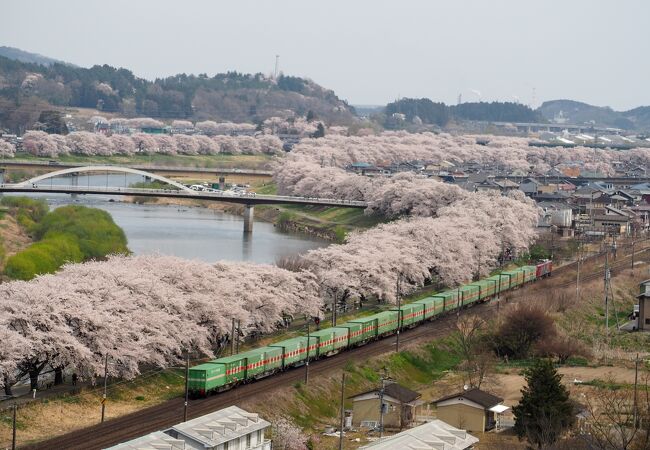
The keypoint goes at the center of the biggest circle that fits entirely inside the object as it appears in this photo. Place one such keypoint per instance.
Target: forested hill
(579, 113)
(440, 114)
(232, 96)
(23, 56)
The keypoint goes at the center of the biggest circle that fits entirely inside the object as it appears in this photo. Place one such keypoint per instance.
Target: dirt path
(509, 385)
(12, 236)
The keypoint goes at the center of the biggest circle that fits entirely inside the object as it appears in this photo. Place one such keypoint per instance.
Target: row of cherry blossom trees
(316, 167)
(464, 241)
(207, 127)
(402, 194)
(506, 153)
(140, 311)
(90, 144)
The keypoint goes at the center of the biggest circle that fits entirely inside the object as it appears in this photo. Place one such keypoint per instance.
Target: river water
(188, 232)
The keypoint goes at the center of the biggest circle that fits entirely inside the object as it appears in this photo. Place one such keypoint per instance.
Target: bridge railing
(177, 192)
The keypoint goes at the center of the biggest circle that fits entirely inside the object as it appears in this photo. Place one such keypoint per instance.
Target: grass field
(221, 161)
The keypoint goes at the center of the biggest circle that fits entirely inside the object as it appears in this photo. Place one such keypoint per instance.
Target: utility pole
(381, 407)
(607, 294)
(342, 411)
(13, 429)
(578, 273)
(307, 360)
(232, 338)
(334, 311)
(399, 311)
(633, 242)
(237, 339)
(187, 385)
(105, 383)
(636, 383)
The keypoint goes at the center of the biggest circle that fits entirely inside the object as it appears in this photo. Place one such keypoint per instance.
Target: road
(245, 198)
(171, 412)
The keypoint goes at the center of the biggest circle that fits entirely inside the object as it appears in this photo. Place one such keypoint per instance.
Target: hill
(23, 56)
(578, 113)
(26, 88)
(432, 113)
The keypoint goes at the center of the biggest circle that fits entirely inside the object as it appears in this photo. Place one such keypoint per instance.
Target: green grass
(267, 189)
(416, 369)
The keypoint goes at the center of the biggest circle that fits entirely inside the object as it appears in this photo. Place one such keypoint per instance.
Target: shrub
(522, 327)
(562, 348)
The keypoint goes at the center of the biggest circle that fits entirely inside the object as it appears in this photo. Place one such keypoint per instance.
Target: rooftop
(404, 395)
(220, 426)
(434, 435)
(485, 399)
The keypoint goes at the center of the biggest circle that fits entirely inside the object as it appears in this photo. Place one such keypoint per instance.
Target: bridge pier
(249, 211)
(74, 182)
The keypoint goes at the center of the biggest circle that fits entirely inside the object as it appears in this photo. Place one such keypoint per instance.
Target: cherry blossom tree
(7, 149)
(287, 436)
(39, 143)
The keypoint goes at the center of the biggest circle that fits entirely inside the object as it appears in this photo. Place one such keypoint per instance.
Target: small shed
(473, 410)
(644, 306)
(400, 404)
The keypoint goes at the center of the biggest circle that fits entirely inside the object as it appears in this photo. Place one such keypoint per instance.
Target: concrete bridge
(234, 175)
(176, 190)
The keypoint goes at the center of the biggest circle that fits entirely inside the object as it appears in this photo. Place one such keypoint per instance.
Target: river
(188, 232)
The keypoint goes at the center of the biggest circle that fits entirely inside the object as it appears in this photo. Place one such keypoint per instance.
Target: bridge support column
(74, 181)
(249, 211)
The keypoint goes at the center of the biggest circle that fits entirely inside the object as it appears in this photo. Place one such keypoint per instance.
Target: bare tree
(468, 340)
(612, 418)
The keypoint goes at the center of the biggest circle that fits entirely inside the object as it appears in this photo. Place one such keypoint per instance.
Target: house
(614, 221)
(400, 407)
(530, 187)
(434, 435)
(472, 410)
(230, 428)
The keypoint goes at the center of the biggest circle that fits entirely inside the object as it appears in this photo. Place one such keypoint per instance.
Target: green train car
(224, 373)
(330, 340)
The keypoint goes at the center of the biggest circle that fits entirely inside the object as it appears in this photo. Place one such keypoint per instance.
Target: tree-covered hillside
(26, 87)
(440, 114)
(579, 113)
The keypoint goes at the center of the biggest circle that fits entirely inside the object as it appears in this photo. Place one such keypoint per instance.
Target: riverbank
(41, 242)
(13, 238)
(220, 161)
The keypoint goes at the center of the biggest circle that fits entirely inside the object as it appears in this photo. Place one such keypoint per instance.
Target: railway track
(169, 413)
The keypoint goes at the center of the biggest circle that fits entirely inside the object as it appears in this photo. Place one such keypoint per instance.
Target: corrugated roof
(434, 435)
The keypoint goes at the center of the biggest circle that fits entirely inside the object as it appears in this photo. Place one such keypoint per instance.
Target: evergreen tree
(545, 410)
(320, 131)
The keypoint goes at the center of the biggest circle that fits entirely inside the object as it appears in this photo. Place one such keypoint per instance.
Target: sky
(370, 52)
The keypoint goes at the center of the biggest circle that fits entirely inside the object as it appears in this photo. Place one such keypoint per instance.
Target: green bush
(67, 234)
(45, 256)
(34, 209)
(93, 230)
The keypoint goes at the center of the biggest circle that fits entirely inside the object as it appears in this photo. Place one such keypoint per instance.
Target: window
(248, 440)
(260, 436)
(647, 321)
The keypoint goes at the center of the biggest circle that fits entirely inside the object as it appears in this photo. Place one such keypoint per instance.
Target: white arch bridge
(176, 190)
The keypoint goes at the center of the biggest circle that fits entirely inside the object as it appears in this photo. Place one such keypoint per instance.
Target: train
(221, 374)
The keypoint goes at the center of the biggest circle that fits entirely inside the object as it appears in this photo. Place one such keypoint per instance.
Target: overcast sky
(368, 52)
